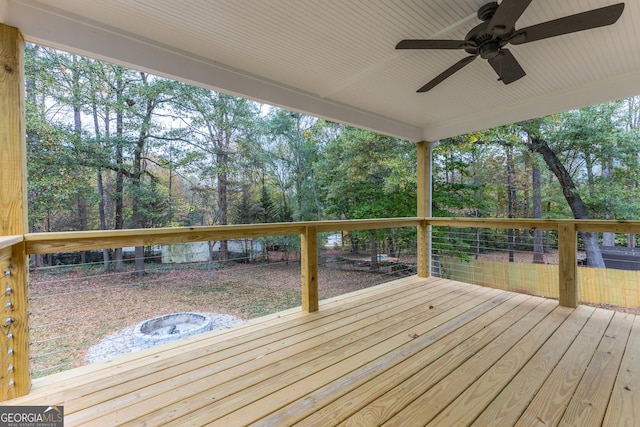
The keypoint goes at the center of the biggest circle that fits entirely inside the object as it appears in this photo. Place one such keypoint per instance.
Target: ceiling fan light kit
(497, 29)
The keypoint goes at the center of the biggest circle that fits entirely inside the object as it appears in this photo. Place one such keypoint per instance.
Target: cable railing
(518, 260)
(542, 257)
(295, 259)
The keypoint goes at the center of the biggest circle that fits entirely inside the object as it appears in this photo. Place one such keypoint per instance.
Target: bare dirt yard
(74, 308)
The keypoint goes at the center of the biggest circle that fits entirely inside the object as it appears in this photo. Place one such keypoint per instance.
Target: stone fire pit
(169, 327)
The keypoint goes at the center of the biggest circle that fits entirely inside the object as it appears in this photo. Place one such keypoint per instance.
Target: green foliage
(459, 178)
(266, 210)
(245, 210)
(366, 175)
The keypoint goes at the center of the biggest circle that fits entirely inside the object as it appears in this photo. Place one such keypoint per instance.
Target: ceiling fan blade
(446, 73)
(507, 67)
(569, 24)
(435, 44)
(505, 17)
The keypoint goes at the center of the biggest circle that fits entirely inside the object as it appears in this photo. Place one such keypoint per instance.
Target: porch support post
(567, 266)
(309, 264)
(15, 377)
(424, 151)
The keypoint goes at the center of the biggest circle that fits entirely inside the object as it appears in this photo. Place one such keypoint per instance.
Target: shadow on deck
(413, 351)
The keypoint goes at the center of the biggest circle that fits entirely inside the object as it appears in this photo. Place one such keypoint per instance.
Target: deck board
(436, 397)
(477, 396)
(624, 406)
(509, 405)
(589, 403)
(415, 370)
(551, 401)
(409, 352)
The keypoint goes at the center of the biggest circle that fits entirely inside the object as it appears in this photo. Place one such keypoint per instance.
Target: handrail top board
(7, 241)
(68, 241)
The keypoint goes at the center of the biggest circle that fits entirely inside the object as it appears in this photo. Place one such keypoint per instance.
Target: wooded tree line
(581, 164)
(113, 148)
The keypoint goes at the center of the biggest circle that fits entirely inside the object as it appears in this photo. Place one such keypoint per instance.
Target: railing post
(14, 349)
(423, 178)
(424, 249)
(309, 267)
(14, 365)
(567, 266)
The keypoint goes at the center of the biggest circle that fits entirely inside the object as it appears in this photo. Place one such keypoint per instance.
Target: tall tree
(538, 248)
(217, 122)
(361, 178)
(537, 144)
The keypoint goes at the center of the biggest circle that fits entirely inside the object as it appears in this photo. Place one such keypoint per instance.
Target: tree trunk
(77, 128)
(538, 248)
(391, 247)
(223, 208)
(137, 176)
(32, 137)
(511, 195)
(476, 196)
(223, 181)
(99, 177)
(608, 239)
(590, 239)
(119, 193)
(354, 242)
(139, 261)
(374, 254)
(103, 218)
(82, 221)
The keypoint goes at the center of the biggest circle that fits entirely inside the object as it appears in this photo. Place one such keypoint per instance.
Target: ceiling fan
(497, 30)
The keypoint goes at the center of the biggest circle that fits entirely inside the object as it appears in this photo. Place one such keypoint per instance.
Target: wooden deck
(410, 352)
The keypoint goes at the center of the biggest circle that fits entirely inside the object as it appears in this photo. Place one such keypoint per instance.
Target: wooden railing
(15, 377)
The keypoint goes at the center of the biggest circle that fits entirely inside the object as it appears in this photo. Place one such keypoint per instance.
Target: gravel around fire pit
(121, 342)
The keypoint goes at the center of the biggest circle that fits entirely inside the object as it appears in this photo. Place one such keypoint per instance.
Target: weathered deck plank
(410, 352)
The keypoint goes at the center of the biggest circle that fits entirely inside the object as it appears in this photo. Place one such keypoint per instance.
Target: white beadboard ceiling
(336, 58)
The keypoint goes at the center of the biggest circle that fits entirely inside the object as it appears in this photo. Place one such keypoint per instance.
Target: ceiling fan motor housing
(486, 44)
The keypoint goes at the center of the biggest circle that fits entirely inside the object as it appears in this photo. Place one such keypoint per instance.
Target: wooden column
(309, 266)
(15, 377)
(567, 266)
(423, 179)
